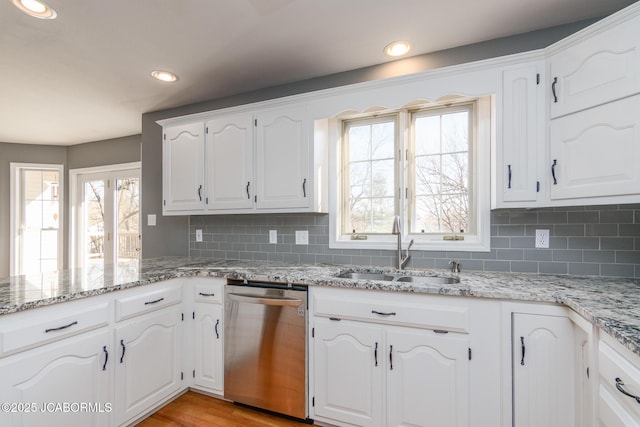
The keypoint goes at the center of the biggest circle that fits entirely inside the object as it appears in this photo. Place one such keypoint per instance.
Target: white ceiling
(85, 75)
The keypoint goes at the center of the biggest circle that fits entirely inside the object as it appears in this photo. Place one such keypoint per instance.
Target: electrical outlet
(542, 238)
(273, 236)
(302, 237)
(198, 235)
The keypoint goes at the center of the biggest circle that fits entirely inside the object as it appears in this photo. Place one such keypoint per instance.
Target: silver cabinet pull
(252, 299)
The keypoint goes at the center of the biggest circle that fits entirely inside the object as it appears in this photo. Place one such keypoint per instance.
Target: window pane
(128, 211)
(441, 178)
(371, 176)
(427, 135)
(94, 199)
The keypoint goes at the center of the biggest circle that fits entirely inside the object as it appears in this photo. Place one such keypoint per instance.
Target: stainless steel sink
(428, 280)
(365, 276)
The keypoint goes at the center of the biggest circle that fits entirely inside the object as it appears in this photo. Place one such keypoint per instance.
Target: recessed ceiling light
(35, 8)
(398, 48)
(165, 76)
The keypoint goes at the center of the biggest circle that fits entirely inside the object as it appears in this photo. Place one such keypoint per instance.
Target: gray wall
(170, 236)
(99, 153)
(592, 241)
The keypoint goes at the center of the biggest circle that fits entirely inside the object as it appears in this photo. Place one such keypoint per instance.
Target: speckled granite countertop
(612, 304)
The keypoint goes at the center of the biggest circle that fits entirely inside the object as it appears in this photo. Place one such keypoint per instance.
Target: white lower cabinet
(148, 361)
(66, 383)
(208, 350)
(376, 372)
(543, 378)
(427, 378)
(619, 385)
(348, 371)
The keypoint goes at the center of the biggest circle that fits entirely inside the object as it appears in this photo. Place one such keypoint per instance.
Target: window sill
(470, 244)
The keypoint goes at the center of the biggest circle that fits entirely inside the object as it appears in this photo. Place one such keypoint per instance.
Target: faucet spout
(402, 259)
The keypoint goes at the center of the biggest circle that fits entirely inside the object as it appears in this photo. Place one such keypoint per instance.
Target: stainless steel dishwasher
(265, 346)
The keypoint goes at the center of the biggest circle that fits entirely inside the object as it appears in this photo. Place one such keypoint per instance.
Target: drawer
(209, 291)
(618, 362)
(31, 328)
(421, 311)
(146, 299)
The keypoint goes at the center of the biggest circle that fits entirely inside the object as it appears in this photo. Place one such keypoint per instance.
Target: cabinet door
(72, 372)
(543, 382)
(209, 364)
(348, 371)
(427, 378)
(230, 162)
(602, 68)
(148, 362)
(519, 154)
(582, 342)
(596, 153)
(282, 156)
(183, 168)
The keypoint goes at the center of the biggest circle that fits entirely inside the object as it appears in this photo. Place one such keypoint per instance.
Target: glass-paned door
(36, 206)
(108, 225)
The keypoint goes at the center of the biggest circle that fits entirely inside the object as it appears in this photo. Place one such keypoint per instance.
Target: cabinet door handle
(375, 354)
(216, 328)
(46, 331)
(106, 357)
(391, 358)
(304, 187)
(248, 185)
(124, 348)
(206, 295)
(523, 350)
(200, 192)
(509, 167)
(619, 384)
(553, 171)
(154, 301)
(553, 89)
(392, 313)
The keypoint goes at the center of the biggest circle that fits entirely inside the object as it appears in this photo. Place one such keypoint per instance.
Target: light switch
(302, 237)
(151, 220)
(273, 236)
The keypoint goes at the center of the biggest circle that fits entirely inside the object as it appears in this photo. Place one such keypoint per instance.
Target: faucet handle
(455, 266)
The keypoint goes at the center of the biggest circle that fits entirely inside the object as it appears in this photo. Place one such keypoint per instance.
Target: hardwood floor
(197, 410)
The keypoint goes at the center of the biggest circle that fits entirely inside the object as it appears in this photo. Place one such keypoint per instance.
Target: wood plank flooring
(198, 410)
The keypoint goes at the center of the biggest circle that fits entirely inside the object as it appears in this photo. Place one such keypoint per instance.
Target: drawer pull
(619, 384)
(154, 301)
(380, 313)
(46, 331)
(206, 295)
(124, 348)
(106, 358)
(216, 328)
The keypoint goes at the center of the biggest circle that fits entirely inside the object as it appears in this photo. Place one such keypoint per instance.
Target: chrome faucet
(402, 259)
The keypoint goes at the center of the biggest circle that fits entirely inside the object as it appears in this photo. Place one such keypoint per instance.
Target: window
(36, 223)
(106, 217)
(427, 164)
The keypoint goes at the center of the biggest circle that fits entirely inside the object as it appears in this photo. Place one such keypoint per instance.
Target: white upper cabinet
(256, 160)
(230, 183)
(596, 153)
(519, 154)
(597, 69)
(282, 154)
(183, 168)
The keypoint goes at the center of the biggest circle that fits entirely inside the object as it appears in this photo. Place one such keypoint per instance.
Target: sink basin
(365, 276)
(428, 280)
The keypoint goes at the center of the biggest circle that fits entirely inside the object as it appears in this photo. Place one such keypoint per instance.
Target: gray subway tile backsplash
(584, 240)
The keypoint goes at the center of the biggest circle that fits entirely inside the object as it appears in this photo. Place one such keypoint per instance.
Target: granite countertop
(612, 304)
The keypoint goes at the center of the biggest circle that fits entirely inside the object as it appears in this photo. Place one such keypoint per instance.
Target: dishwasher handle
(257, 299)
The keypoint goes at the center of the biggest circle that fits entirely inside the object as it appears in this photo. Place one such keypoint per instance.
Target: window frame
(479, 165)
(16, 201)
